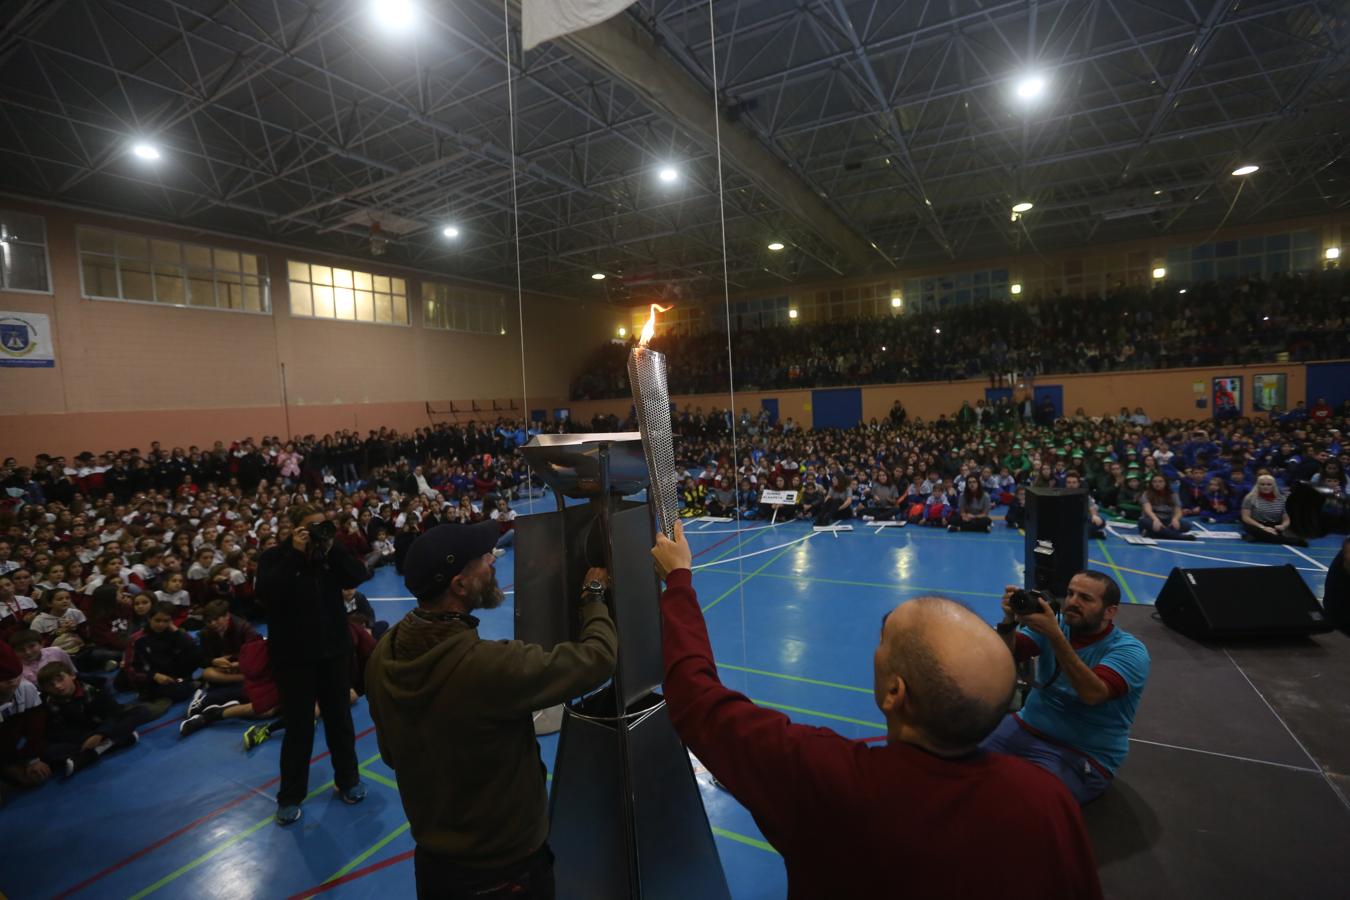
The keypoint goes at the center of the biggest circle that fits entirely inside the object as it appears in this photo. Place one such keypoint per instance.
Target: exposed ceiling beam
(623, 49)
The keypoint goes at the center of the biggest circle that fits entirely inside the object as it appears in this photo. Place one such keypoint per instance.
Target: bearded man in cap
(454, 718)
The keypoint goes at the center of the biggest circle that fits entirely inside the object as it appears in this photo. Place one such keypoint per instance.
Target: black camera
(1026, 603)
(321, 537)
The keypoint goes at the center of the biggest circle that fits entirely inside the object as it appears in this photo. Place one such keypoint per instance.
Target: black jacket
(306, 617)
(72, 719)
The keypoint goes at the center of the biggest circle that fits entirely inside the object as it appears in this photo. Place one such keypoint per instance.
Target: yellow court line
(1127, 569)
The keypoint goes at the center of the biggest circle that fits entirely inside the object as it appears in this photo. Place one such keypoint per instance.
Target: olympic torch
(651, 397)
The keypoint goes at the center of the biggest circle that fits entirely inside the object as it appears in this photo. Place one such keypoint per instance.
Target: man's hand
(596, 574)
(92, 741)
(300, 539)
(38, 771)
(1043, 622)
(1008, 617)
(161, 678)
(671, 555)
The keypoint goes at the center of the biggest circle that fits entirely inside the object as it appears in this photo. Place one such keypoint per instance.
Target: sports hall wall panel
(128, 373)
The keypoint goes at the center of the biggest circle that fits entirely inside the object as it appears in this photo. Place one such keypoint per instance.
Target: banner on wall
(1268, 393)
(544, 20)
(26, 341)
(1227, 400)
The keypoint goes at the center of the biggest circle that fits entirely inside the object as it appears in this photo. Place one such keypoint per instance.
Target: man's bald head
(943, 678)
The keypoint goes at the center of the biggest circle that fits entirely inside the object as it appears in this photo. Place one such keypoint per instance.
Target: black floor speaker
(1240, 601)
(1057, 537)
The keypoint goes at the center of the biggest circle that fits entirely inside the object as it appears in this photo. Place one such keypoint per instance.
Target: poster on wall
(1227, 397)
(26, 341)
(1268, 393)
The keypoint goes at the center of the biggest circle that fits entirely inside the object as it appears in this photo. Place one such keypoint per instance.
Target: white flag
(544, 20)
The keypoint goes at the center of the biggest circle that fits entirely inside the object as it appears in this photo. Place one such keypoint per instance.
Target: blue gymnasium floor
(793, 616)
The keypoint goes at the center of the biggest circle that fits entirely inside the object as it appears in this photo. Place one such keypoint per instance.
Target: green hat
(1100, 448)
(1017, 446)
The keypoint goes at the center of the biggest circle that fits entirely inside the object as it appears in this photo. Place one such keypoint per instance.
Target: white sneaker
(195, 705)
(869, 518)
(499, 551)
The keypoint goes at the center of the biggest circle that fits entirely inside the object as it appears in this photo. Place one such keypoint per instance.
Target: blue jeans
(1080, 776)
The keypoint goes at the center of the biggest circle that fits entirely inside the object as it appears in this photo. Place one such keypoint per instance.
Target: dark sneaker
(130, 740)
(82, 760)
(352, 795)
(194, 724)
(287, 815)
(217, 709)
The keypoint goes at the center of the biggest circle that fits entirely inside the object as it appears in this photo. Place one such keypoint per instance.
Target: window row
(327, 292)
(462, 309)
(117, 265)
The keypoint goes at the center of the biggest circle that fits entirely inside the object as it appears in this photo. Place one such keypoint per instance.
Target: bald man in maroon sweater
(927, 815)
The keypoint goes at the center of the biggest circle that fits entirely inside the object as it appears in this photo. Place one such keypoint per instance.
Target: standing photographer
(301, 583)
(1089, 678)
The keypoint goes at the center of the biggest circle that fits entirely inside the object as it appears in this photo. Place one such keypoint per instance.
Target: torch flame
(650, 328)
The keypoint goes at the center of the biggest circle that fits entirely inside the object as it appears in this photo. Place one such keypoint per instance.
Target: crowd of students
(1156, 476)
(131, 573)
(122, 595)
(1219, 323)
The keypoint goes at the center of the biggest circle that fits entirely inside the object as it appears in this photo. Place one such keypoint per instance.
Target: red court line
(144, 731)
(97, 876)
(715, 545)
(352, 876)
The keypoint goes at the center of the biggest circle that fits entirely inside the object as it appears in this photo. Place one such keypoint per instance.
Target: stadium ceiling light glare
(1024, 206)
(1031, 87)
(1333, 253)
(598, 276)
(1246, 170)
(937, 331)
(393, 15)
(1160, 273)
(883, 348)
(450, 231)
(776, 246)
(897, 302)
(623, 332)
(1182, 291)
(668, 174)
(146, 151)
(1015, 288)
(792, 314)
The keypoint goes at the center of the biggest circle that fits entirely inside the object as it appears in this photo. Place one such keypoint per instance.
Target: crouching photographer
(1089, 676)
(301, 582)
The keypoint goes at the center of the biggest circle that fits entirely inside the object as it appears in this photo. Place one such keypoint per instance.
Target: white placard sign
(778, 498)
(26, 341)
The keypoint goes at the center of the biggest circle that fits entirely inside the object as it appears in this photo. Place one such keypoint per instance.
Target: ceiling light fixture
(1333, 253)
(393, 15)
(776, 246)
(598, 276)
(146, 151)
(1015, 288)
(792, 314)
(1159, 273)
(1031, 87)
(1024, 206)
(623, 332)
(1246, 170)
(897, 302)
(450, 231)
(668, 174)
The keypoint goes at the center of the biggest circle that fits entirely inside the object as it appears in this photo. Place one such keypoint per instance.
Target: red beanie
(10, 667)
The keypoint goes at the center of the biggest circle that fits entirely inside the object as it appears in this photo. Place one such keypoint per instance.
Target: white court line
(718, 562)
(1241, 562)
(1293, 549)
(1264, 762)
(741, 530)
(1278, 718)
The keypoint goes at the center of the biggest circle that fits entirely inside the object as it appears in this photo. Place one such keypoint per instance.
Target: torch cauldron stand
(627, 818)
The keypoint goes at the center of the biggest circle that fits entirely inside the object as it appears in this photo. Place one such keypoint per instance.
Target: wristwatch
(596, 588)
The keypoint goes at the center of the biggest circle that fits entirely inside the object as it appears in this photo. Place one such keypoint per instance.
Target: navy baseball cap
(440, 554)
